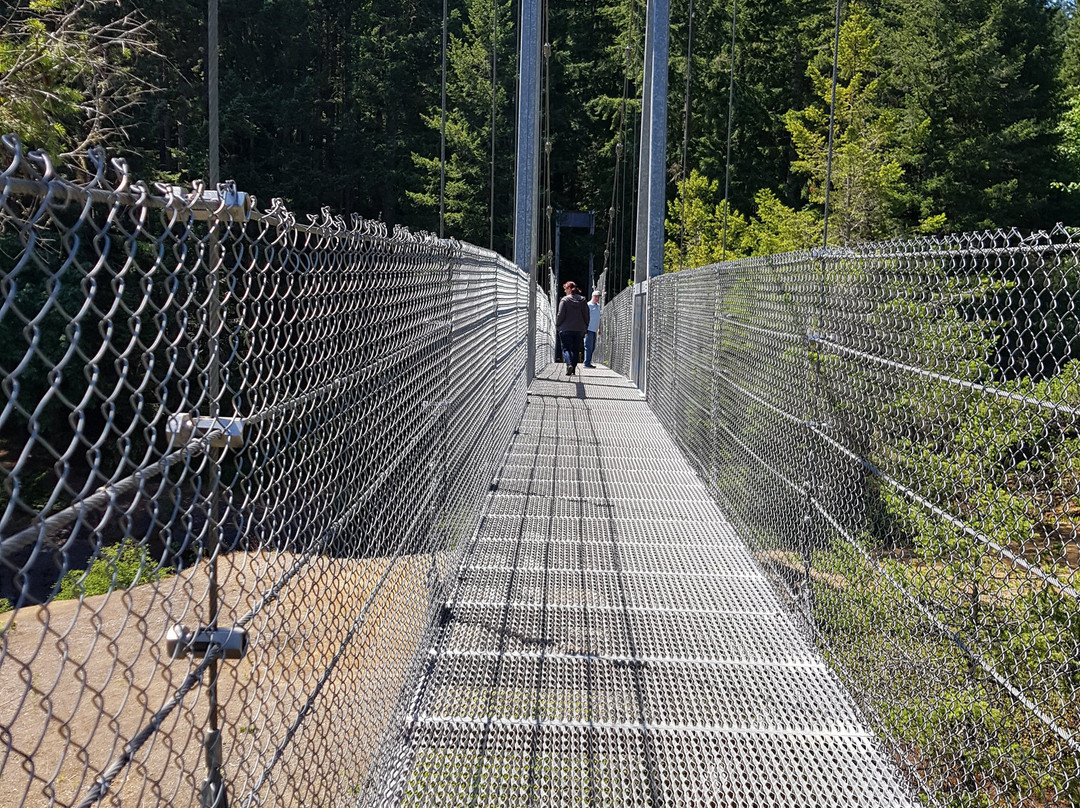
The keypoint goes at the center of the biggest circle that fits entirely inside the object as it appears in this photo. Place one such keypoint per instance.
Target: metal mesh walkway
(609, 640)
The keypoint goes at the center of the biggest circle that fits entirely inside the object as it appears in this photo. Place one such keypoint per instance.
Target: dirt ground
(79, 680)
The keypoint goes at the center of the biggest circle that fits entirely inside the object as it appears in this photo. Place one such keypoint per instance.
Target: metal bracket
(227, 432)
(225, 204)
(182, 642)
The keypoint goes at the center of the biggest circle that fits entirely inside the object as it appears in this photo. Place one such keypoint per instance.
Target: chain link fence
(894, 429)
(238, 453)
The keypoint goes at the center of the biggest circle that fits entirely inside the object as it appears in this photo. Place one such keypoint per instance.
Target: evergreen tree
(67, 77)
(326, 102)
(866, 162)
(1069, 128)
(698, 231)
(776, 228)
(169, 132)
(979, 77)
(588, 65)
(322, 100)
(617, 157)
(774, 45)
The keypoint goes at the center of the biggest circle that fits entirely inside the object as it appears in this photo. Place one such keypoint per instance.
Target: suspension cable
(619, 152)
(630, 189)
(627, 130)
(548, 209)
(442, 129)
(730, 117)
(494, 90)
(832, 127)
(686, 128)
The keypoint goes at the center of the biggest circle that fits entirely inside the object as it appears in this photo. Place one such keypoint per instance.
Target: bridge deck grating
(609, 640)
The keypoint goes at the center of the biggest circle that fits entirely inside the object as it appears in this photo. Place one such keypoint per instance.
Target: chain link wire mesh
(613, 344)
(221, 418)
(893, 429)
(225, 419)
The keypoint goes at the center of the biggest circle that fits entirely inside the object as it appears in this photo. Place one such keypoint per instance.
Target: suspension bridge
(302, 513)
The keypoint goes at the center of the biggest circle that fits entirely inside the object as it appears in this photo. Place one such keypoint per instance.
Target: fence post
(213, 792)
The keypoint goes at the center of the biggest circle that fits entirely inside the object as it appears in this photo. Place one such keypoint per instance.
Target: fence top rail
(106, 181)
(1060, 240)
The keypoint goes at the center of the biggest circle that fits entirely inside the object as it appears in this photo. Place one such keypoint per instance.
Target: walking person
(572, 322)
(594, 328)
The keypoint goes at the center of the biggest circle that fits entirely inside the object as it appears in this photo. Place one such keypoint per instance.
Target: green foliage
(469, 129)
(963, 514)
(696, 226)
(67, 75)
(987, 461)
(121, 566)
(905, 82)
(978, 81)
(322, 101)
(1069, 134)
(5, 605)
(27, 52)
(948, 113)
(777, 228)
(971, 741)
(774, 44)
(951, 113)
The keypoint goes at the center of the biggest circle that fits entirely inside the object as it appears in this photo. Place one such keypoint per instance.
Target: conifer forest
(950, 116)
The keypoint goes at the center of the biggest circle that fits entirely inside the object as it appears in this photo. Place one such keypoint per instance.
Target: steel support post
(528, 161)
(558, 250)
(212, 93)
(652, 176)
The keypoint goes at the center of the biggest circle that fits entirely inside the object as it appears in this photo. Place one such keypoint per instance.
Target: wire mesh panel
(894, 431)
(613, 345)
(545, 330)
(238, 454)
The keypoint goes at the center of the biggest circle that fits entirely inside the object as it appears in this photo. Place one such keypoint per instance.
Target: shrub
(121, 566)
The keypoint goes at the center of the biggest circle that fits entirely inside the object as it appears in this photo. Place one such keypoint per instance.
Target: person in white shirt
(594, 328)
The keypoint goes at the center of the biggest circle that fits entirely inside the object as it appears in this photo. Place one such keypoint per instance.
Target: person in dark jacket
(572, 322)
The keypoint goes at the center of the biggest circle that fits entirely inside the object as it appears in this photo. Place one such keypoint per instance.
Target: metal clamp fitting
(224, 432)
(182, 642)
(225, 204)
